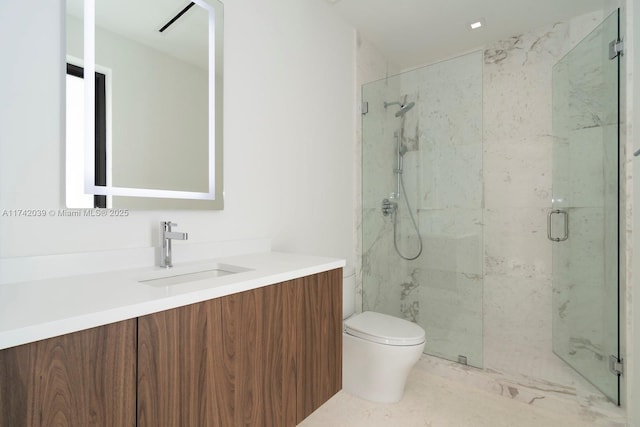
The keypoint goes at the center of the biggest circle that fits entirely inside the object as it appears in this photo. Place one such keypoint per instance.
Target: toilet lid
(384, 329)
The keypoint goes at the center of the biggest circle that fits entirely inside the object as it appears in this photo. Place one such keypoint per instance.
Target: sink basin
(212, 271)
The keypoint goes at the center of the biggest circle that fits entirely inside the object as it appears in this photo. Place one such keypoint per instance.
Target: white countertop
(35, 310)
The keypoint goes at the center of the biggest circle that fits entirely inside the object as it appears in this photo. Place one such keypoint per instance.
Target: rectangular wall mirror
(146, 131)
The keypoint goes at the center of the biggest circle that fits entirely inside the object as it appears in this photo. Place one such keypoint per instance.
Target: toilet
(378, 350)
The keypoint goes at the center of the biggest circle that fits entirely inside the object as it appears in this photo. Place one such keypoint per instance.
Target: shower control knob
(388, 207)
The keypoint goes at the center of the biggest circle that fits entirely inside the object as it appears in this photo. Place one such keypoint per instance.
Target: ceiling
(417, 32)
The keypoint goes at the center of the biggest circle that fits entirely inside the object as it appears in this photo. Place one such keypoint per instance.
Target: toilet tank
(348, 291)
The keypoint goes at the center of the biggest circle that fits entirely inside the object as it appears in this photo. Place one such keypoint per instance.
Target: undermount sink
(206, 272)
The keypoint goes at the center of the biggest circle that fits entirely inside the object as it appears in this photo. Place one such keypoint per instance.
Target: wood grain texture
(178, 369)
(86, 378)
(259, 344)
(319, 344)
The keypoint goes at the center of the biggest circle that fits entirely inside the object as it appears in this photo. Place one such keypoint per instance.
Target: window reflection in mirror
(157, 134)
(75, 139)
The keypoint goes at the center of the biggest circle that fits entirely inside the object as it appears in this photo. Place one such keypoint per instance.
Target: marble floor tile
(439, 394)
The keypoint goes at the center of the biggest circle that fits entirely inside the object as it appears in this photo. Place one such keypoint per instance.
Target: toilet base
(376, 372)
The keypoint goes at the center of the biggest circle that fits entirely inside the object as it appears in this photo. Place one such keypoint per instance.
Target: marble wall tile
(451, 314)
(452, 221)
(462, 254)
(518, 172)
(577, 319)
(517, 97)
(518, 153)
(574, 258)
(452, 176)
(517, 316)
(439, 252)
(516, 244)
(521, 158)
(589, 90)
(582, 330)
(469, 254)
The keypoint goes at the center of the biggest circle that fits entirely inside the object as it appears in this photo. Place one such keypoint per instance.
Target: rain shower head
(404, 108)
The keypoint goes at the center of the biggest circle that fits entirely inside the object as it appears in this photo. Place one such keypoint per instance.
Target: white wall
(289, 129)
(632, 369)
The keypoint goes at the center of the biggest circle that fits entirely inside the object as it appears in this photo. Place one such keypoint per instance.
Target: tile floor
(443, 394)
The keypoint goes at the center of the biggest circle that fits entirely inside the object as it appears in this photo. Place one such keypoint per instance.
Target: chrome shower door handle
(565, 214)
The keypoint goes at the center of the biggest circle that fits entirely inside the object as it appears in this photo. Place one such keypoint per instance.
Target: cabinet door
(259, 356)
(86, 378)
(178, 367)
(264, 357)
(319, 346)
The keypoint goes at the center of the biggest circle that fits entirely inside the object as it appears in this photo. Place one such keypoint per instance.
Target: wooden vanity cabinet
(85, 378)
(265, 357)
(224, 362)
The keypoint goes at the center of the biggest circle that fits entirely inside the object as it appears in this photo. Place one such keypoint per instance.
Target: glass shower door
(583, 221)
(422, 154)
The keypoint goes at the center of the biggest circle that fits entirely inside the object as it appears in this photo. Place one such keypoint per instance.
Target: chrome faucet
(167, 236)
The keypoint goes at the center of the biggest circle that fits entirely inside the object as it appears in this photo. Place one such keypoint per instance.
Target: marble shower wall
(484, 278)
(518, 163)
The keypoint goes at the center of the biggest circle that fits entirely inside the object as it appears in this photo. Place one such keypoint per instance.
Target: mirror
(146, 132)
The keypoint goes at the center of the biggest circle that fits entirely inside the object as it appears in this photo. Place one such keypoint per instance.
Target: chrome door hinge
(616, 366)
(616, 48)
(365, 108)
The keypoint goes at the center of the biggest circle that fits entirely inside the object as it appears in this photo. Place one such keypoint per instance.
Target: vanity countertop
(35, 310)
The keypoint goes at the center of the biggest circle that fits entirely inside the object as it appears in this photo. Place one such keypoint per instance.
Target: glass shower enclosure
(583, 221)
(422, 193)
(423, 202)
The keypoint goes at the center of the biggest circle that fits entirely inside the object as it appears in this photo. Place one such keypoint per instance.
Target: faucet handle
(165, 226)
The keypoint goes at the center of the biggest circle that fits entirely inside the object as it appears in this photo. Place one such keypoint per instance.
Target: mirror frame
(215, 121)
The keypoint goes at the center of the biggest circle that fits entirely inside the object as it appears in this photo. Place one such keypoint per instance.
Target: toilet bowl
(378, 350)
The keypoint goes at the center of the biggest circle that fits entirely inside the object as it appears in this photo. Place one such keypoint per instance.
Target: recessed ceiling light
(476, 24)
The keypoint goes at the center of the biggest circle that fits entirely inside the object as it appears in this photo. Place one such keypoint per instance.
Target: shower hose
(413, 221)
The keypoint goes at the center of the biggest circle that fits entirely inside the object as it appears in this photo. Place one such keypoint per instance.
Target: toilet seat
(383, 329)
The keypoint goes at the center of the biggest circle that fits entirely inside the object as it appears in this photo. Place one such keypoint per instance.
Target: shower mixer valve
(388, 207)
